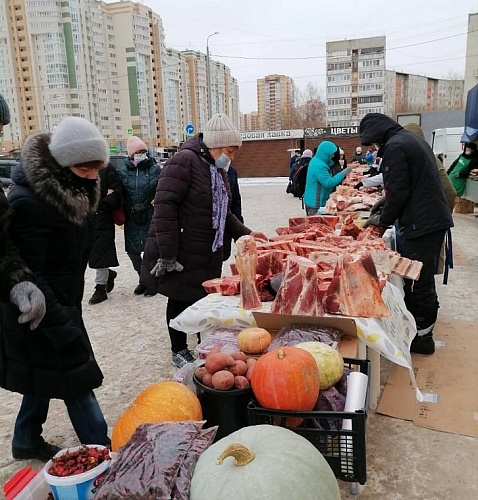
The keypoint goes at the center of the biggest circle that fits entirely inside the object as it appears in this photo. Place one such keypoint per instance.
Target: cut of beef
(349, 228)
(298, 292)
(246, 262)
(329, 220)
(355, 289)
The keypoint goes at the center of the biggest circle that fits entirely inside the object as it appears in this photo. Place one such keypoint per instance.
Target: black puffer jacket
(182, 225)
(414, 193)
(51, 230)
(103, 251)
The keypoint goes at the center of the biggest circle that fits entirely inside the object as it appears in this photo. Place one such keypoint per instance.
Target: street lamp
(208, 71)
(47, 104)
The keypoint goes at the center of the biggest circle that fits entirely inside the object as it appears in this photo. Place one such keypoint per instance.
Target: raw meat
(406, 268)
(298, 292)
(349, 228)
(355, 289)
(246, 262)
(329, 220)
(228, 285)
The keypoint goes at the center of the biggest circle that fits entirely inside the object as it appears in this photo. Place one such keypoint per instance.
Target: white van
(447, 142)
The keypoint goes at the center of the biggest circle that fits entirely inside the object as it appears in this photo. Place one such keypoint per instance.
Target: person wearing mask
(103, 252)
(460, 169)
(55, 191)
(139, 176)
(294, 165)
(192, 210)
(320, 181)
(414, 196)
(236, 209)
(359, 157)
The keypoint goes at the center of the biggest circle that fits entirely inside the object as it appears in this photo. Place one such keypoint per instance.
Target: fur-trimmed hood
(52, 183)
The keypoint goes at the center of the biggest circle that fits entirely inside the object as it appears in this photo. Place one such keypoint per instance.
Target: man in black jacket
(414, 197)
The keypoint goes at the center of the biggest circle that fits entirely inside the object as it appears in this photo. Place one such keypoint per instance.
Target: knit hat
(307, 153)
(4, 111)
(220, 132)
(471, 145)
(135, 144)
(75, 141)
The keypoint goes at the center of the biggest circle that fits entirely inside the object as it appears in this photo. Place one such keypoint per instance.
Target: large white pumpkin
(329, 361)
(263, 462)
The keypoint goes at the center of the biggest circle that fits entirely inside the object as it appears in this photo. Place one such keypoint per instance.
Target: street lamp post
(208, 71)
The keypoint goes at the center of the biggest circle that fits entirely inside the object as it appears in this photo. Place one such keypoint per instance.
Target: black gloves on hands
(378, 207)
(373, 220)
(358, 186)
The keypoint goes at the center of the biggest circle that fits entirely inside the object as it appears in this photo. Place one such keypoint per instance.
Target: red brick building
(264, 153)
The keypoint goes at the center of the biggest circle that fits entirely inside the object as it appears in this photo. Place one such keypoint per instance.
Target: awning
(471, 116)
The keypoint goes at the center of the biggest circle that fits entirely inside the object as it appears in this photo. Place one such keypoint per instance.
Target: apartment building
(275, 101)
(471, 65)
(250, 121)
(355, 79)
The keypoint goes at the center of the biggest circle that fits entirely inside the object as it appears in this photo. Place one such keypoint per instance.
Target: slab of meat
(349, 228)
(246, 263)
(328, 220)
(298, 292)
(406, 268)
(355, 289)
(227, 285)
(287, 245)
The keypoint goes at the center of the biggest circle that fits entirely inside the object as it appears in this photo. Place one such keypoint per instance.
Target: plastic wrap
(149, 464)
(296, 333)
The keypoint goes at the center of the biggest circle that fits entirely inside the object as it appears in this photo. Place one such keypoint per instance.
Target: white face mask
(223, 162)
(341, 162)
(138, 158)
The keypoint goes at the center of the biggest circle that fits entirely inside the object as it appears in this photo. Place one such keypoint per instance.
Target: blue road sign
(189, 129)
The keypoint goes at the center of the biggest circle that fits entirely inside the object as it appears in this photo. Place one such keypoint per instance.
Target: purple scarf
(220, 201)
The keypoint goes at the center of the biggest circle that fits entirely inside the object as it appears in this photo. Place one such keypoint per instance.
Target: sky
(261, 37)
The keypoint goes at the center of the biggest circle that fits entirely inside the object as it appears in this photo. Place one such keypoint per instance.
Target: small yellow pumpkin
(254, 340)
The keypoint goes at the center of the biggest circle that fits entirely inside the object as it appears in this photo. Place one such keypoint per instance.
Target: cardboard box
(348, 345)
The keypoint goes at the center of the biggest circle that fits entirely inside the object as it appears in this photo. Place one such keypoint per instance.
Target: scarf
(220, 202)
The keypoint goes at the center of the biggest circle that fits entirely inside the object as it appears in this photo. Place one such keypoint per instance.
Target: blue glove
(164, 266)
(30, 301)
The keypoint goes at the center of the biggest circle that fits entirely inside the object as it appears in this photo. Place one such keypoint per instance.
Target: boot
(423, 344)
(100, 295)
(110, 284)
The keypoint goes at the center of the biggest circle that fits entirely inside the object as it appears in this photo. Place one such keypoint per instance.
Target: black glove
(373, 220)
(378, 207)
(358, 186)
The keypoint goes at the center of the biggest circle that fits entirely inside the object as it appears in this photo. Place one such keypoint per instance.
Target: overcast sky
(423, 37)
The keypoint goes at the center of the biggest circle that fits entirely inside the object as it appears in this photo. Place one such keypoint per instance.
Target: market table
(389, 337)
(471, 190)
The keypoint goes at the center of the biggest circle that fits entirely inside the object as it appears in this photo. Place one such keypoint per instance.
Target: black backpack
(300, 176)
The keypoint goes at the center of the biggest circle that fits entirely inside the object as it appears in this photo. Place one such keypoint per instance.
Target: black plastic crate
(343, 449)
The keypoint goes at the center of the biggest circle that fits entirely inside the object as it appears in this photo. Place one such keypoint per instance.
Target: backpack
(298, 182)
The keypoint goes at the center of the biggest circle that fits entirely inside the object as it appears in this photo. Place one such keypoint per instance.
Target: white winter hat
(75, 141)
(220, 132)
(307, 153)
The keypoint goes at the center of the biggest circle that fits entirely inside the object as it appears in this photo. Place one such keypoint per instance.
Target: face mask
(223, 162)
(376, 146)
(138, 158)
(341, 162)
(468, 151)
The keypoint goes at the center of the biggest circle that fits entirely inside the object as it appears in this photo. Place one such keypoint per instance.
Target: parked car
(6, 167)
(118, 160)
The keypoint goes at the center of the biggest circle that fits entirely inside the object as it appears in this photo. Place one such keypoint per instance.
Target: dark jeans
(136, 260)
(179, 340)
(420, 296)
(311, 210)
(85, 415)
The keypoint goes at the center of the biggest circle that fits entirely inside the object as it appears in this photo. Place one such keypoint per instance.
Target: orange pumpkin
(254, 340)
(285, 379)
(168, 401)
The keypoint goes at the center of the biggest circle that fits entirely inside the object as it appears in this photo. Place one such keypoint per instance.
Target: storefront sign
(311, 132)
(266, 135)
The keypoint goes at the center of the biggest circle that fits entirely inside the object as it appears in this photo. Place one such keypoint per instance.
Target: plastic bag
(300, 332)
(148, 465)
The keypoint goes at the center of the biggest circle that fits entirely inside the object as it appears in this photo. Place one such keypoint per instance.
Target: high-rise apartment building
(107, 62)
(275, 102)
(250, 121)
(355, 80)
(471, 64)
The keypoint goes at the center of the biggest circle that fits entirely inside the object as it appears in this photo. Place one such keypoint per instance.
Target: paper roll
(357, 383)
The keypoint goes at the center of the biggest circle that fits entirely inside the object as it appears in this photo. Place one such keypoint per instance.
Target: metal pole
(208, 74)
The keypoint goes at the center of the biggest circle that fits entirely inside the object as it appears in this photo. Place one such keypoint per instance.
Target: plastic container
(349, 463)
(79, 487)
(227, 409)
(225, 339)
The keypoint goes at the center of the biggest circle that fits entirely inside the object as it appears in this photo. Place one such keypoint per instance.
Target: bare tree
(309, 109)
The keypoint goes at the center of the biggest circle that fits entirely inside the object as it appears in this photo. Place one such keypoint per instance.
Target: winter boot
(140, 289)
(423, 344)
(100, 295)
(110, 284)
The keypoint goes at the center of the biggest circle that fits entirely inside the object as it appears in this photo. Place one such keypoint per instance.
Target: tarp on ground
(471, 116)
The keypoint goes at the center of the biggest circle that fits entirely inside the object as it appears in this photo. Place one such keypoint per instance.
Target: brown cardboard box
(447, 380)
(348, 345)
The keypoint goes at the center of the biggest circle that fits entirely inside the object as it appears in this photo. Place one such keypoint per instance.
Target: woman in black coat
(236, 208)
(55, 191)
(103, 252)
